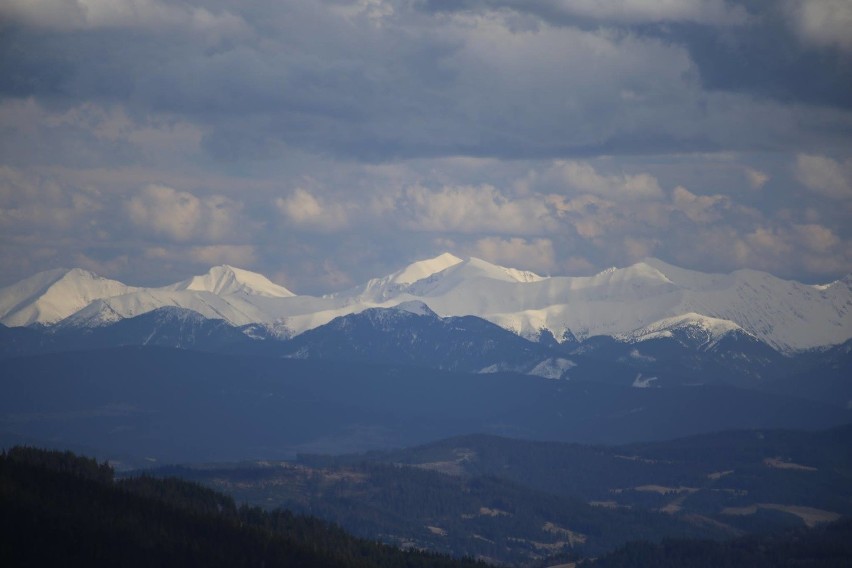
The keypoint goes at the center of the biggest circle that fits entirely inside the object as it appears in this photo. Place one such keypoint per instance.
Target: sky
(326, 142)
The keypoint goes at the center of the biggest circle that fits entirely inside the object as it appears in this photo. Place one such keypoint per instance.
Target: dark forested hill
(828, 546)
(63, 510)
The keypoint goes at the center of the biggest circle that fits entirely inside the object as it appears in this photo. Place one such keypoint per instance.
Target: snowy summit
(648, 299)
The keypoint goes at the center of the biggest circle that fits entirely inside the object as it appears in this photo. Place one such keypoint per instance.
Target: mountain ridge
(225, 279)
(619, 302)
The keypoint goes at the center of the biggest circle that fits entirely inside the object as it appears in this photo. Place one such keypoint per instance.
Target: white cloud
(590, 215)
(825, 23)
(756, 178)
(597, 219)
(582, 177)
(474, 209)
(181, 216)
(306, 210)
(536, 254)
(375, 11)
(816, 237)
(771, 247)
(166, 211)
(825, 176)
(700, 209)
(769, 242)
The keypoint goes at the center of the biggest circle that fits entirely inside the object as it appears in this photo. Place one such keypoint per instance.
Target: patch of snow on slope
(267, 330)
(640, 383)
(636, 354)
(552, 368)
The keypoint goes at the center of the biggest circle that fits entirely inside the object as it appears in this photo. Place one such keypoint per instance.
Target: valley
(514, 501)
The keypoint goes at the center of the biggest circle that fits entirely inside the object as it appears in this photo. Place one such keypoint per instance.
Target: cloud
(756, 178)
(641, 11)
(600, 220)
(306, 210)
(537, 254)
(823, 23)
(92, 14)
(484, 83)
(166, 211)
(32, 202)
(770, 246)
(590, 215)
(816, 237)
(582, 177)
(181, 216)
(92, 134)
(700, 209)
(713, 12)
(393, 126)
(474, 209)
(209, 255)
(825, 176)
(769, 242)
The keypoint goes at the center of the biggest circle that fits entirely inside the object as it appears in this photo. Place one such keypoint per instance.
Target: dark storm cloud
(749, 46)
(766, 59)
(378, 86)
(591, 13)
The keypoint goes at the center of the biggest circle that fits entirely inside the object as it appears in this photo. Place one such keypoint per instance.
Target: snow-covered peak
(415, 307)
(51, 296)
(641, 271)
(97, 314)
(224, 280)
(648, 297)
(384, 288)
(423, 269)
(700, 328)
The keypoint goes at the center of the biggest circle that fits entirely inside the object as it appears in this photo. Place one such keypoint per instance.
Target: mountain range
(648, 300)
(746, 329)
(229, 366)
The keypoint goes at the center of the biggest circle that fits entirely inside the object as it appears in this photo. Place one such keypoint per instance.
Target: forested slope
(60, 509)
